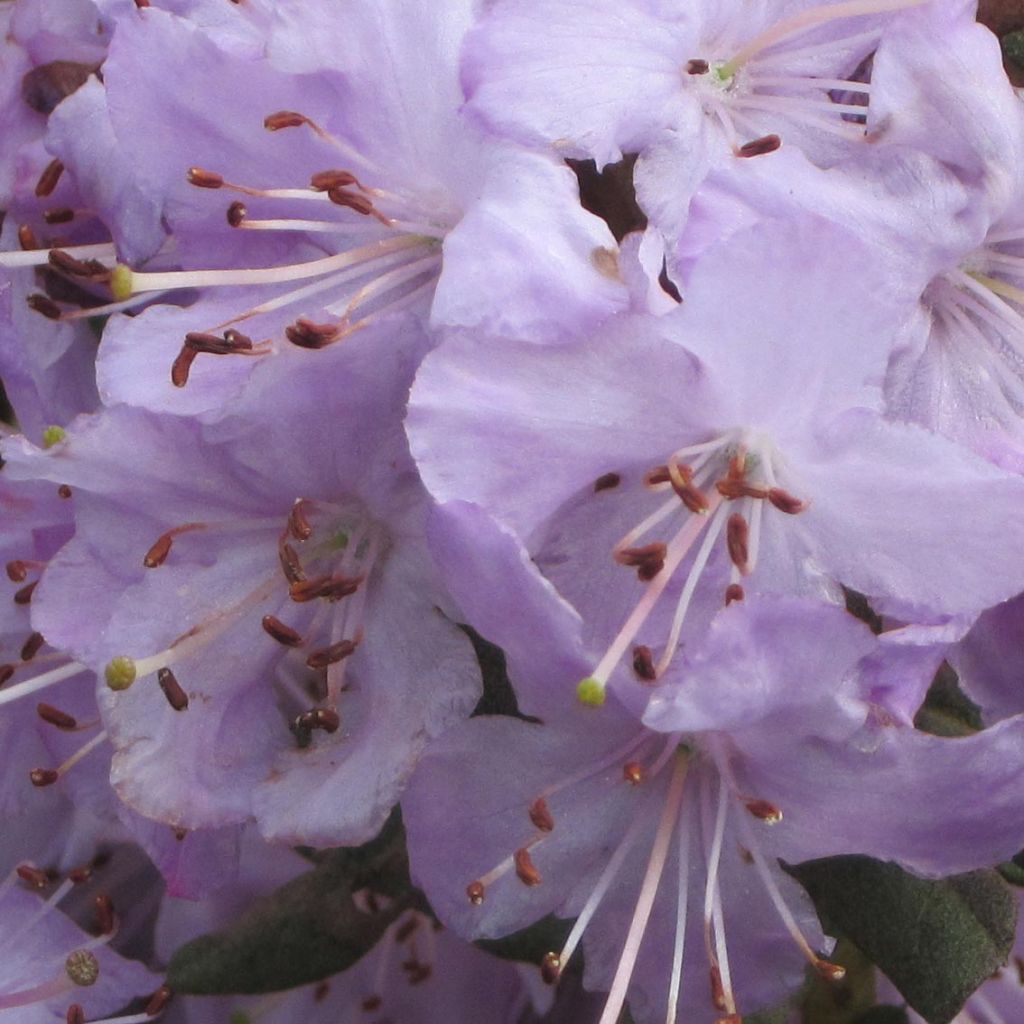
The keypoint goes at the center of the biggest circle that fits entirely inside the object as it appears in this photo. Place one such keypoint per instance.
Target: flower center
(717, 492)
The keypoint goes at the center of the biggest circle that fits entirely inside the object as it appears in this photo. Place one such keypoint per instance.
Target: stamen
(176, 696)
(31, 647)
(607, 481)
(331, 655)
(30, 686)
(331, 587)
(759, 147)
(48, 776)
(786, 502)
(41, 257)
(204, 179)
(526, 870)
(713, 924)
(48, 179)
(679, 944)
(27, 237)
(55, 717)
(280, 632)
(734, 592)
(737, 535)
(24, 596)
(647, 560)
(697, 67)
(643, 664)
(298, 522)
(648, 891)
(106, 920)
(809, 19)
(541, 815)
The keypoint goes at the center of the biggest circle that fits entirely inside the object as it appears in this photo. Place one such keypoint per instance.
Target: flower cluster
(322, 379)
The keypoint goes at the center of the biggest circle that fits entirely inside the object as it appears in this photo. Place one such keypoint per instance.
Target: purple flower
(352, 190)
(49, 966)
(267, 585)
(763, 467)
(661, 835)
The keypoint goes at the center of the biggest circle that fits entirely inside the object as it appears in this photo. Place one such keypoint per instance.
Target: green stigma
(725, 72)
(53, 435)
(120, 673)
(590, 691)
(239, 1017)
(121, 282)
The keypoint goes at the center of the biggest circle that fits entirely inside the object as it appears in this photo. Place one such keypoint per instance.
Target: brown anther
(371, 1003)
(105, 919)
(236, 213)
(59, 215)
(41, 777)
(550, 968)
(759, 147)
(327, 719)
(307, 334)
(321, 992)
(202, 178)
(284, 119)
(157, 554)
(475, 893)
(181, 366)
(290, 565)
(786, 502)
(75, 1014)
(17, 571)
(299, 525)
(765, 811)
(540, 815)
(55, 717)
(717, 991)
(324, 181)
(352, 200)
(34, 876)
(697, 67)
(420, 973)
(830, 971)
(526, 871)
(681, 479)
(730, 489)
(734, 592)
(159, 1000)
(230, 343)
(64, 491)
(407, 929)
(6, 671)
(80, 875)
(334, 588)
(648, 560)
(176, 696)
(634, 772)
(27, 237)
(180, 834)
(24, 596)
(737, 540)
(280, 632)
(67, 264)
(658, 475)
(48, 179)
(44, 306)
(643, 663)
(607, 481)
(331, 655)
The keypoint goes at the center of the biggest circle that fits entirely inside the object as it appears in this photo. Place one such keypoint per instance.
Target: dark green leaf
(884, 1015)
(947, 710)
(1013, 47)
(840, 1002)
(936, 940)
(531, 943)
(1013, 870)
(307, 930)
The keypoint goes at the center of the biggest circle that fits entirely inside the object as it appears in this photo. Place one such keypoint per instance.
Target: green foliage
(529, 944)
(307, 930)
(936, 940)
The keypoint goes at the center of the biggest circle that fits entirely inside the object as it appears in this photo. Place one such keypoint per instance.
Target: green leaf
(1013, 47)
(307, 930)
(947, 710)
(936, 940)
(840, 1002)
(531, 943)
(1013, 870)
(884, 1015)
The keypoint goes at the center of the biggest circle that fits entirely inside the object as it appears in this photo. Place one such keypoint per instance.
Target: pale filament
(714, 925)
(679, 941)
